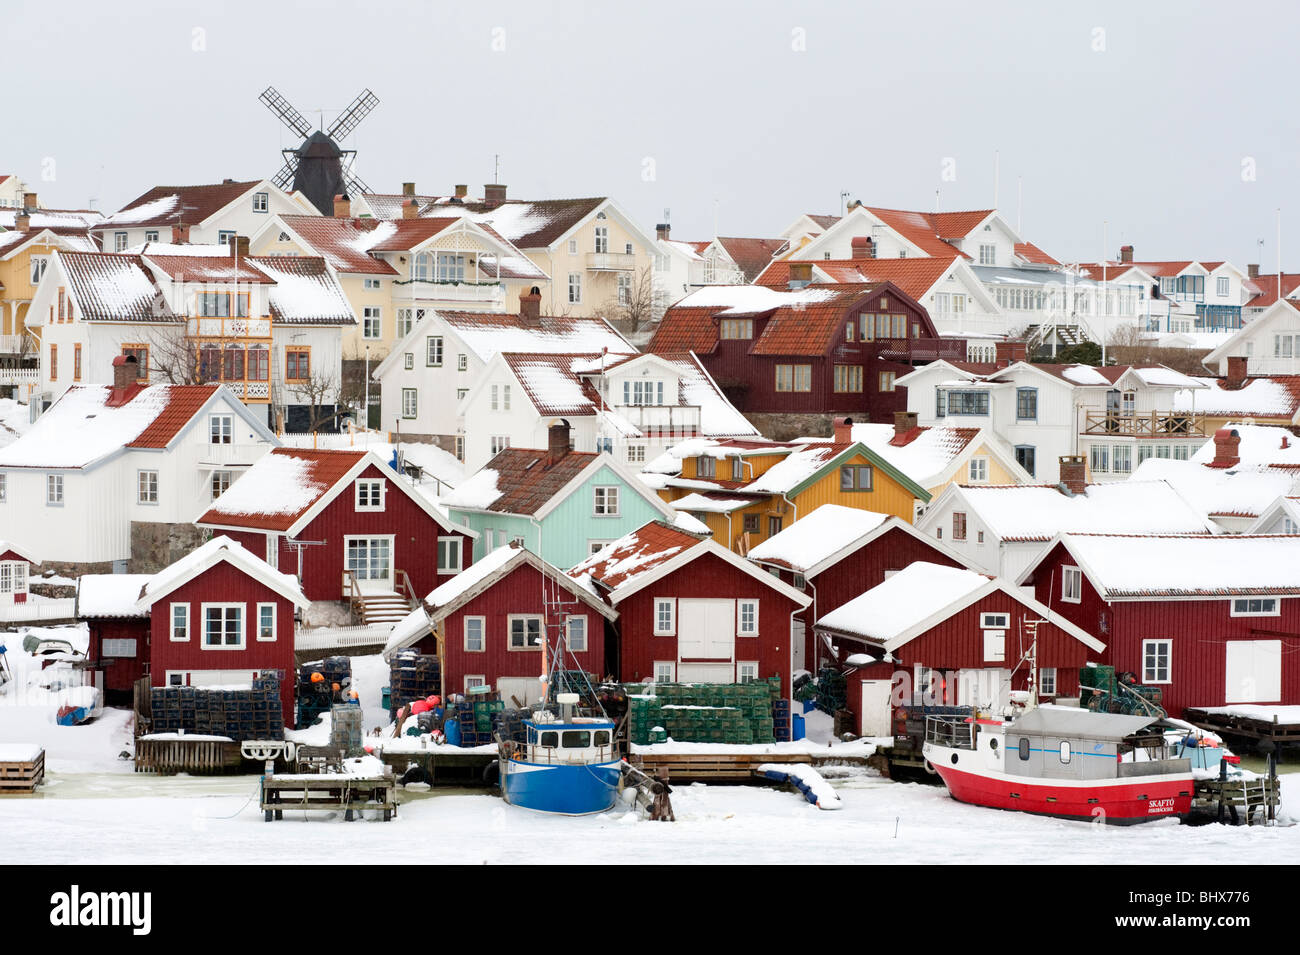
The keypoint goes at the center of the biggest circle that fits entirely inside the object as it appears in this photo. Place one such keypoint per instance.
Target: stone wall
(155, 545)
(787, 427)
(64, 568)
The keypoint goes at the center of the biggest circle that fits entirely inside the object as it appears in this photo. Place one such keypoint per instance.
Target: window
(959, 525)
(602, 238)
(369, 495)
(848, 378)
(1255, 607)
(261, 201)
(750, 523)
(665, 622)
(1022, 747)
(642, 392)
(635, 453)
(735, 328)
(1025, 457)
(499, 443)
(855, 478)
(1155, 660)
(38, 264)
(180, 623)
(573, 246)
(223, 626)
(451, 267)
(461, 393)
(794, 377)
(1047, 681)
(1071, 584)
(1221, 286)
(995, 621)
(4, 488)
(54, 363)
(147, 487)
(460, 447)
(1026, 404)
(575, 288)
(747, 618)
(266, 623)
(408, 361)
(54, 490)
(462, 363)
(1122, 458)
(525, 632)
(605, 500)
(449, 555)
(940, 403)
(988, 254)
(1065, 751)
(1100, 458)
(665, 671)
(119, 241)
(368, 558)
(706, 466)
(373, 285)
(297, 364)
(221, 429)
(595, 547)
(624, 289)
(433, 351)
(223, 304)
(747, 672)
(141, 355)
(371, 322)
(773, 528)
(576, 633)
(978, 470)
(410, 402)
(76, 362)
(407, 319)
(887, 380)
(474, 627)
(966, 403)
(220, 483)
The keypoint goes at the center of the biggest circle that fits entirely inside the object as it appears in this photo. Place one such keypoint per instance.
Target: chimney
(904, 423)
(1237, 365)
(409, 210)
(861, 245)
(29, 201)
(180, 233)
(1126, 253)
(226, 182)
(1008, 353)
(662, 230)
(125, 372)
(1074, 474)
(22, 220)
(342, 207)
(408, 188)
(494, 194)
(1252, 270)
(239, 246)
(462, 190)
(800, 274)
(843, 430)
(557, 445)
(1227, 442)
(530, 307)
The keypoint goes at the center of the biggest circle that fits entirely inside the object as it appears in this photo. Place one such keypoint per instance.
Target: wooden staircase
(384, 607)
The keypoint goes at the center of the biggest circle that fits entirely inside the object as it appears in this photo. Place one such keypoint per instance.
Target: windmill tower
(320, 168)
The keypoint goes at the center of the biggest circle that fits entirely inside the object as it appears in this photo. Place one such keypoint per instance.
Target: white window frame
(474, 679)
(1147, 678)
(373, 284)
(510, 631)
(410, 403)
(408, 361)
(261, 202)
(372, 313)
(569, 622)
(214, 480)
(671, 604)
(668, 668)
(978, 470)
(990, 621)
(243, 625)
(601, 496)
(1275, 612)
(364, 494)
(1047, 681)
(54, 490)
(221, 429)
(482, 634)
(462, 362)
(274, 614)
(741, 631)
(742, 666)
(596, 546)
(171, 623)
(575, 288)
(433, 351)
(1071, 583)
(459, 554)
(146, 487)
(499, 442)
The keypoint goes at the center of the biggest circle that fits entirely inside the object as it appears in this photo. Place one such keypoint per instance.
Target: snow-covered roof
(926, 455)
(280, 487)
(411, 629)
(1274, 397)
(903, 600)
(1038, 513)
(107, 287)
(486, 334)
(305, 292)
(796, 468)
(1260, 445)
(754, 299)
(110, 595)
(817, 536)
(1243, 491)
(217, 550)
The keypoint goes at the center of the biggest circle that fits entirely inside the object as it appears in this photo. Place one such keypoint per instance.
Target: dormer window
(369, 494)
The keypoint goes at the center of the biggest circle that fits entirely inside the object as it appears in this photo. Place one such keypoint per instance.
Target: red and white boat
(1062, 761)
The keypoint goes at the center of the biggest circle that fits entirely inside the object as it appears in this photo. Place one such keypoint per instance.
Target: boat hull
(1119, 802)
(564, 789)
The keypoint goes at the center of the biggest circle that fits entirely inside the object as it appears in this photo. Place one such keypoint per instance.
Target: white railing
(977, 322)
(62, 608)
(656, 418)
(611, 261)
(20, 376)
(224, 455)
(324, 638)
(492, 294)
(11, 344)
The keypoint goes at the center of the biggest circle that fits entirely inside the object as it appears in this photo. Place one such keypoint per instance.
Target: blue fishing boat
(566, 766)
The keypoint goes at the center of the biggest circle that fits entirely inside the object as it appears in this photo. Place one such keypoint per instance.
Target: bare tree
(174, 356)
(1129, 345)
(634, 305)
(322, 396)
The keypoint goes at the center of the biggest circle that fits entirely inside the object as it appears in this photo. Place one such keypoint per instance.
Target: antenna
(844, 195)
(496, 168)
(936, 200)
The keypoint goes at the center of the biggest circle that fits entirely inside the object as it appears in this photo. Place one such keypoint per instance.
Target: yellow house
(935, 457)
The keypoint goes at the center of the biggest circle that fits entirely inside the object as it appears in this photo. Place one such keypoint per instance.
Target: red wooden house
(811, 349)
(119, 631)
(497, 623)
(1213, 620)
(835, 553)
(948, 635)
(15, 570)
(692, 611)
(332, 517)
(220, 616)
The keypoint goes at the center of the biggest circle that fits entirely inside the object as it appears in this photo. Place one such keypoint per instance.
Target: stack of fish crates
(509, 724)
(346, 729)
(414, 676)
(316, 698)
(241, 714)
(644, 718)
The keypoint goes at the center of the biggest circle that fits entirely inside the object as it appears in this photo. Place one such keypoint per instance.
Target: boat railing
(956, 732)
(559, 755)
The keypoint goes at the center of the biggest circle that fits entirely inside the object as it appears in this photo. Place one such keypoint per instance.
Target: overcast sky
(1173, 122)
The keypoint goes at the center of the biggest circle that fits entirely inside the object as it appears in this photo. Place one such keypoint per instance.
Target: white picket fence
(38, 611)
(341, 638)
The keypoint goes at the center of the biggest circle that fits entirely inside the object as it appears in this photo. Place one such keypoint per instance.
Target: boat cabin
(575, 740)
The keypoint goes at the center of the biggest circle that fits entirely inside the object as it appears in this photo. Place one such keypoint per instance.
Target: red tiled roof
(922, 229)
(1266, 288)
(636, 554)
(408, 233)
(192, 205)
(305, 293)
(184, 402)
(108, 287)
(686, 329)
(751, 255)
(528, 479)
(1032, 253)
(280, 488)
(527, 223)
(808, 329)
(342, 242)
(958, 225)
(207, 268)
(824, 221)
(914, 277)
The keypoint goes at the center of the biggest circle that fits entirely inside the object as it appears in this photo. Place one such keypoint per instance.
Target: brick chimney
(29, 201)
(557, 441)
(800, 274)
(408, 188)
(22, 220)
(861, 245)
(462, 190)
(1227, 442)
(904, 424)
(1008, 353)
(1126, 253)
(1237, 372)
(843, 430)
(662, 230)
(180, 233)
(239, 246)
(342, 207)
(409, 209)
(1252, 270)
(530, 307)
(125, 383)
(494, 193)
(1074, 474)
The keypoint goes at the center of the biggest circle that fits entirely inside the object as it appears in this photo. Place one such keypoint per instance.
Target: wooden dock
(727, 767)
(1236, 800)
(180, 755)
(328, 792)
(20, 777)
(1245, 728)
(442, 765)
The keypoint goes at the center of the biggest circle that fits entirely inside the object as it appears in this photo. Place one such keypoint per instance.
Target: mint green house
(563, 505)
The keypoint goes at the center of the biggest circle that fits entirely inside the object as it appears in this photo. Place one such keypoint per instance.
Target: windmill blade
(353, 115)
(284, 109)
(284, 178)
(355, 186)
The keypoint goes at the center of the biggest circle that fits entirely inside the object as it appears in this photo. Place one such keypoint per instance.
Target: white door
(221, 677)
(875, 708)
(706, 629)
(370, 559)
(1253, 671)
(799, 636)
(519, 691)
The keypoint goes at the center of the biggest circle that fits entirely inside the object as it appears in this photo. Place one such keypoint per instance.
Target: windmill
(319, 167)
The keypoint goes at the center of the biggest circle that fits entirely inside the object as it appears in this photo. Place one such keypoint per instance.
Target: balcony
(610, 262)
(660, 420)
(230, 328)
(431, 291)
(12, 344)
(919, 349)
(1154, 424)
(249, 392)
(230, 455)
